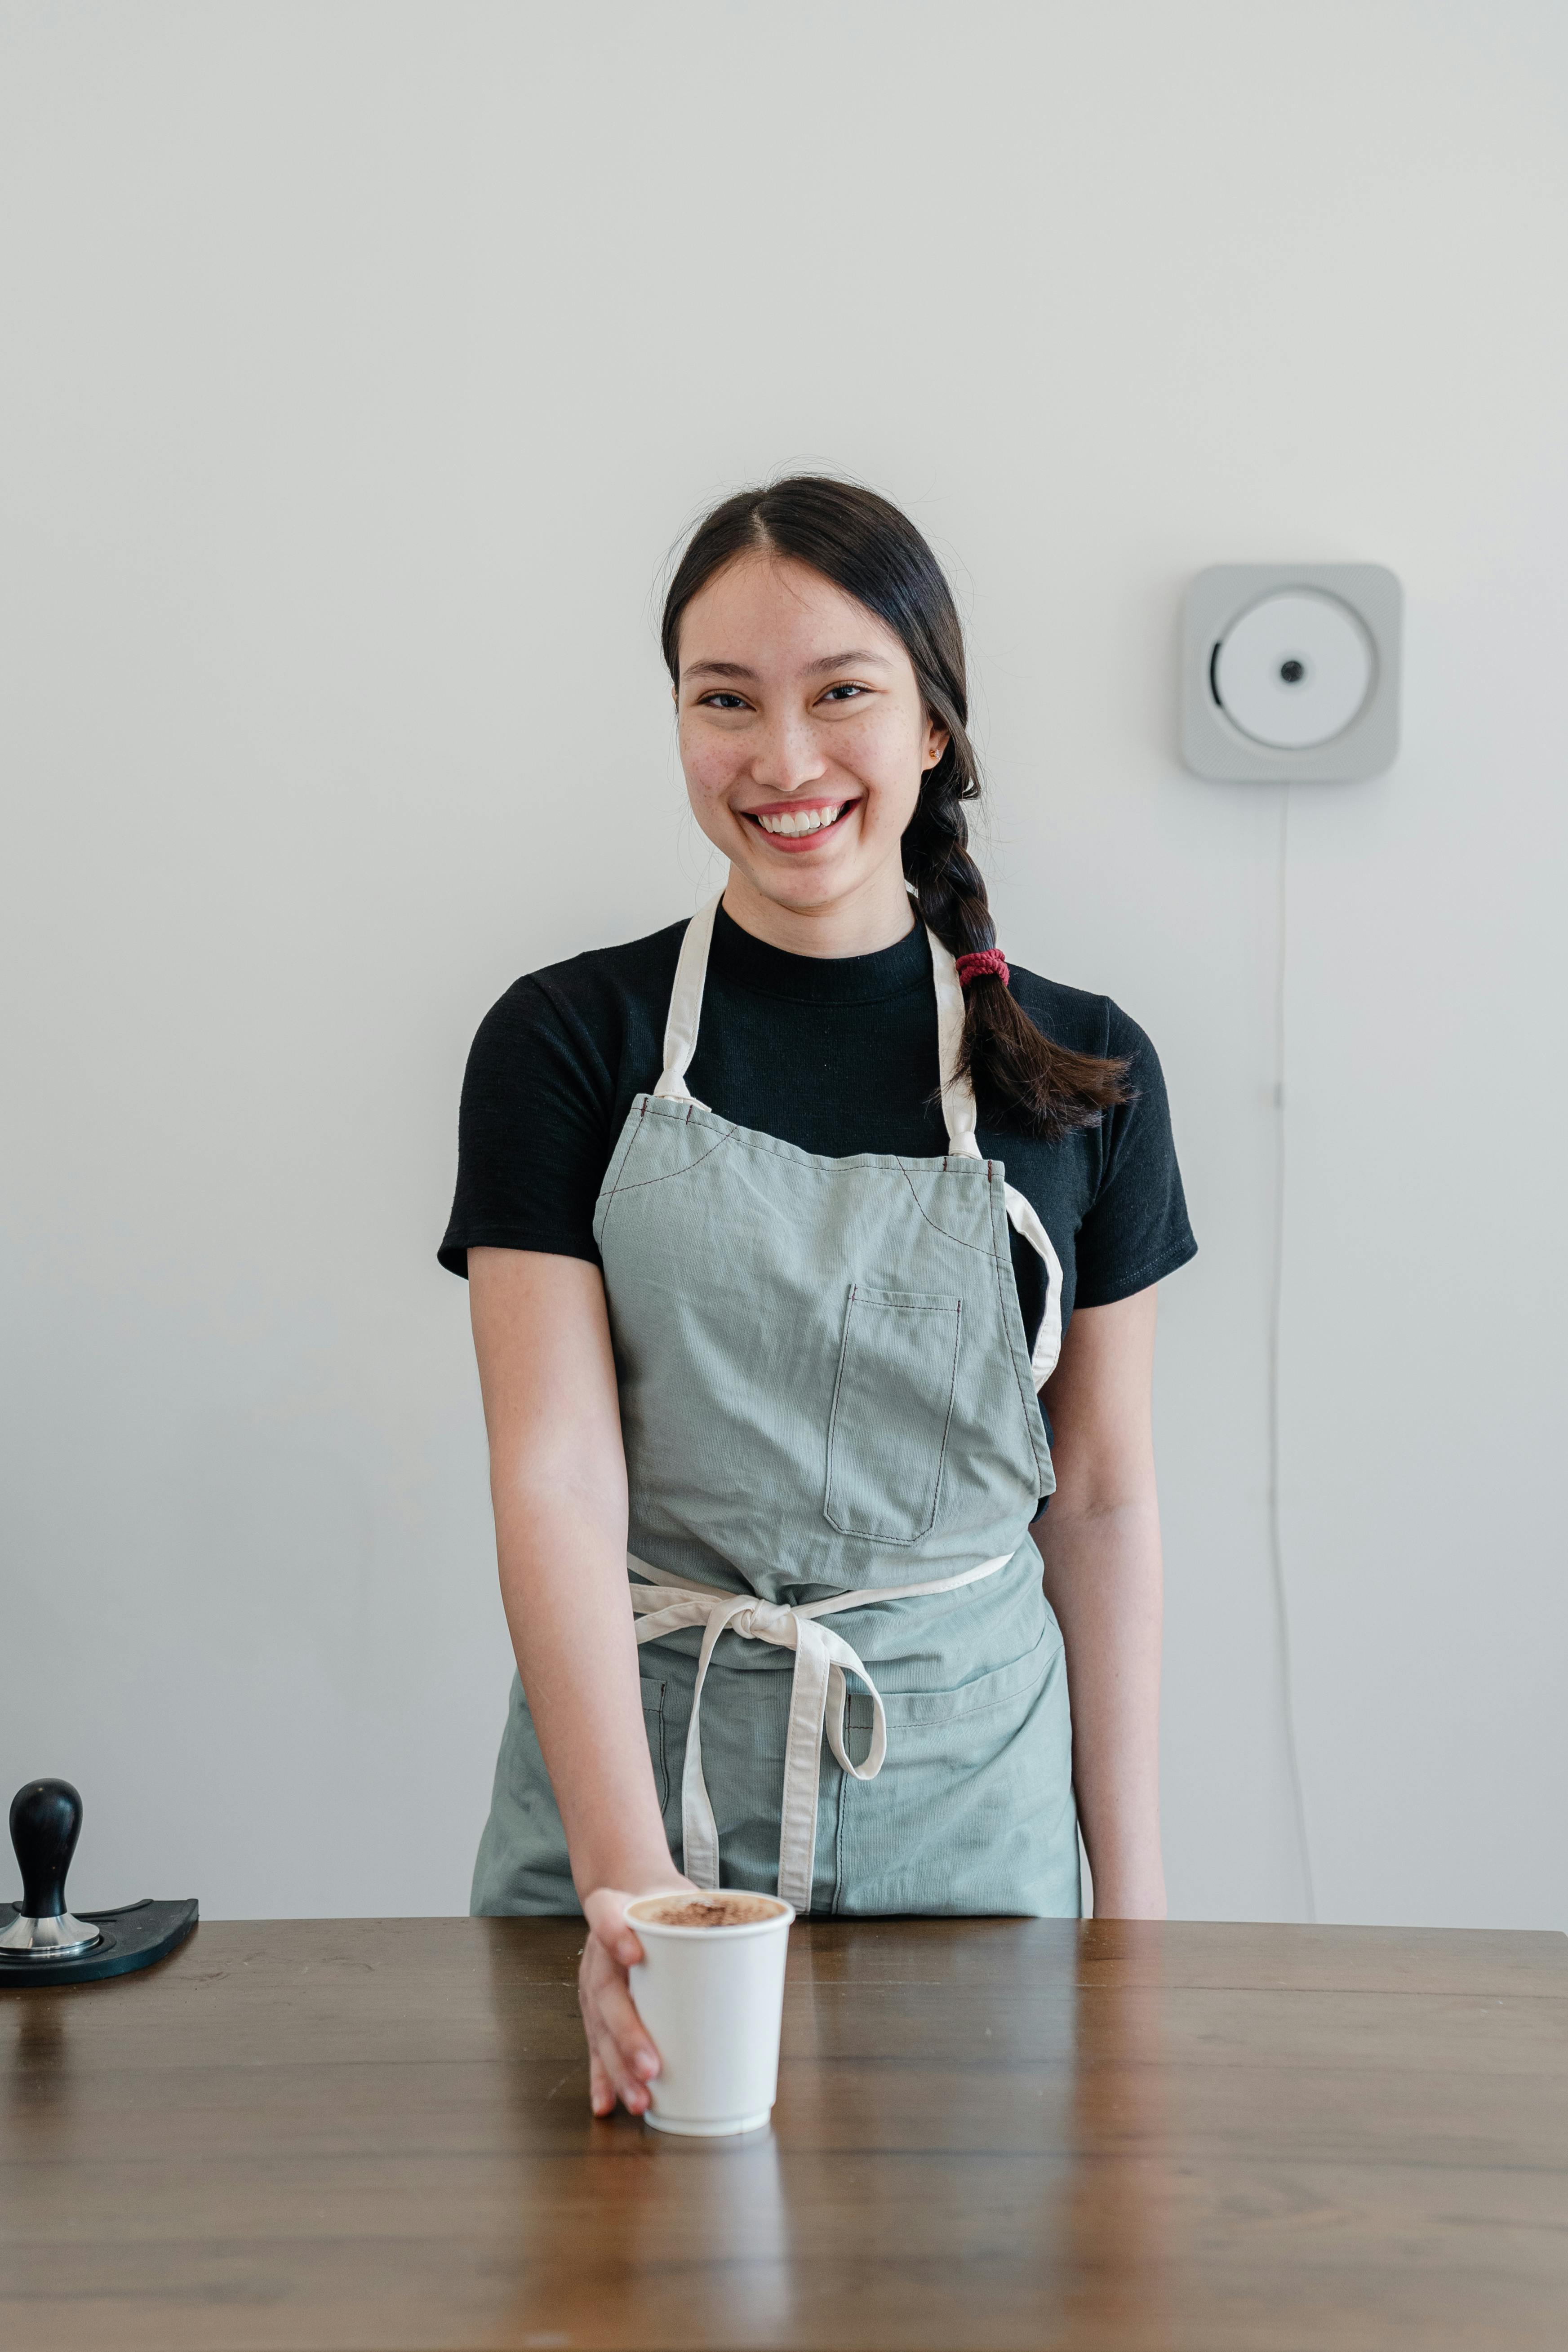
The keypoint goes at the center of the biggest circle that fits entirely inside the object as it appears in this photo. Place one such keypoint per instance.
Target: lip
(800, 845)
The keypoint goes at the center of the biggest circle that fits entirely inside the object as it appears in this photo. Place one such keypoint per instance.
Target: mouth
(793, 825)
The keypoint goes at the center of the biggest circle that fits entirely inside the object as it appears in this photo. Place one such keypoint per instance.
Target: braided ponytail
(1022, 1079)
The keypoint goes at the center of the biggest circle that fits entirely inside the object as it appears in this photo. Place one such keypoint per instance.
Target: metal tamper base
(48, 1939)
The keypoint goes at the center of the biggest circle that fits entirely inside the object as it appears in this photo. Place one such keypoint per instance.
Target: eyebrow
(860, 655)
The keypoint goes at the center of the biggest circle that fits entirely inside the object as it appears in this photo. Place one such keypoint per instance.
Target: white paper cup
(711, 1999)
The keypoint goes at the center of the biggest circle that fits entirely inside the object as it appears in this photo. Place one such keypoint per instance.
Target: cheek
(709, 762)
(892, 765)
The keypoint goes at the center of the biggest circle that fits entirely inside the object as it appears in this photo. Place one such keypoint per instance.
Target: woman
(775, 1224)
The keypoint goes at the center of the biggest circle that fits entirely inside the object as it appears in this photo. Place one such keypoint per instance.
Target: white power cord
(1275, 1517)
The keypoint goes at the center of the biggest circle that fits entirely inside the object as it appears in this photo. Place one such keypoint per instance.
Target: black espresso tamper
(46, 1823)
(40, 1943)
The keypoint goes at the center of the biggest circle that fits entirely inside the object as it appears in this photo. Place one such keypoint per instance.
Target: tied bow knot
(765, 1620)
(819, 1702)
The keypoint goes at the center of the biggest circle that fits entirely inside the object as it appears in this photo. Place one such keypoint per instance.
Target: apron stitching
(966, 1714)
(955, 1238)
(643, 1181)
(838, 1841)
(662, 1760)
(883, 1162)
(625, 1160)
(630, 1138)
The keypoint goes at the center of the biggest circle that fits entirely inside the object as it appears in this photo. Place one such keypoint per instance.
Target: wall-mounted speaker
(1291, 670)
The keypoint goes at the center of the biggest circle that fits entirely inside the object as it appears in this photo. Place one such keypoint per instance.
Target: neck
(876, 915)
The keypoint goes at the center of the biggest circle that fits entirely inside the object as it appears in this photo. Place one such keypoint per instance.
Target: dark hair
(865, 546)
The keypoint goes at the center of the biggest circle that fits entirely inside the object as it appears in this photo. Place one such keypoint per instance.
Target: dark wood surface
(375, 2133)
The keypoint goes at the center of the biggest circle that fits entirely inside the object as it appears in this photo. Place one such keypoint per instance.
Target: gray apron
(831, 1426)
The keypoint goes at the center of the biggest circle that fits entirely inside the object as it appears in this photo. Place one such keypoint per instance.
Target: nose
(788, 757)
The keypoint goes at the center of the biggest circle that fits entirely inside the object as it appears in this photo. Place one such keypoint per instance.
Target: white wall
(362, 361)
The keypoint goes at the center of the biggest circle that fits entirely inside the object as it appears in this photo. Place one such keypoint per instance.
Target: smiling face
(803, 737)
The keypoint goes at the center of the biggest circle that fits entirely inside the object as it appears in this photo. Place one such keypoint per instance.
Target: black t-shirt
(835, 1055)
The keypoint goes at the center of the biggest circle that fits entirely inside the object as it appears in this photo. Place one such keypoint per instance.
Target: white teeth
(796, 820)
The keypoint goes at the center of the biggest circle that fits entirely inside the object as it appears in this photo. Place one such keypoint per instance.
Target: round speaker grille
(1294, 670)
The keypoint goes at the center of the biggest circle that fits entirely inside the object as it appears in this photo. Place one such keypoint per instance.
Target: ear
(937, 740)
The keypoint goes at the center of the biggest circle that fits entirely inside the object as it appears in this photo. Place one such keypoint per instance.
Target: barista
(781, 1226)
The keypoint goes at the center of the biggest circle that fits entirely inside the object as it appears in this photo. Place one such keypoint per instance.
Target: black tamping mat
(132, 1937)
(42, 1942)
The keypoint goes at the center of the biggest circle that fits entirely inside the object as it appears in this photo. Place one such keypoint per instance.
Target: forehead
(775, 614)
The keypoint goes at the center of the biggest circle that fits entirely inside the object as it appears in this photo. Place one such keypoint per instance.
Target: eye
(720, 700)
(842, 693)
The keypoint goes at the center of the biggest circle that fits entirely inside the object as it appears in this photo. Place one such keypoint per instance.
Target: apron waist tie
(818, 1695)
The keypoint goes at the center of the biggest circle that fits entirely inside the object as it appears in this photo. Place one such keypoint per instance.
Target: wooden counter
(990, 2133)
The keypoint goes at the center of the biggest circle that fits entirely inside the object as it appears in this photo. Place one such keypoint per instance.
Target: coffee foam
(725, 1909)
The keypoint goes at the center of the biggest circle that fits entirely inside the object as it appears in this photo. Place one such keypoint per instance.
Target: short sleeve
(533, 1136)
(1135, 1230)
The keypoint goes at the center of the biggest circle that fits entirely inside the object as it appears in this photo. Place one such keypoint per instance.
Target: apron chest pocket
(893, 1406)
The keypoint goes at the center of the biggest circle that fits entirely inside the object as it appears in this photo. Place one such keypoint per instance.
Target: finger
(606, 2076)
(603, 1996)
(618, 1940)
(625, 2085)
(619, 2022)
(630, 2066)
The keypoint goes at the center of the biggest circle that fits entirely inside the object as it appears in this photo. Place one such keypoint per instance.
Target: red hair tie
(980, 966)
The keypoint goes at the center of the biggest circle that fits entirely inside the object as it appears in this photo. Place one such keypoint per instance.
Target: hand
(622, 2061)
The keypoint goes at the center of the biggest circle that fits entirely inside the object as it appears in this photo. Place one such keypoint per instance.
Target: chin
(799, 886)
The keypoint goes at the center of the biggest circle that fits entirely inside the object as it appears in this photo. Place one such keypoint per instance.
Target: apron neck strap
(686, 1003)
(685, 1016)
(957, 1094)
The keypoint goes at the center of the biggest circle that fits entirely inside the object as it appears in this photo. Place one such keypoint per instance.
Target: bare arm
(1099, 1541)
(558, 1485)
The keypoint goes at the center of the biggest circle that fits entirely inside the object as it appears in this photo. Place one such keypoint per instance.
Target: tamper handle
(46, 1823)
